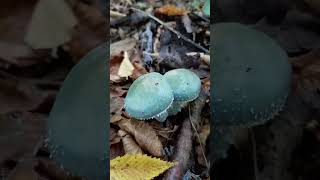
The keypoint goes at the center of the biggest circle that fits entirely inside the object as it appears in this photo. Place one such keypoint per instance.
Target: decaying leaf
(114, 65)
(308, 77)
(129, 145)
(144, 135)
(113, 136)
(171, 10)
(90, 31)
(137, 167)
(126, 68)
(123, 45)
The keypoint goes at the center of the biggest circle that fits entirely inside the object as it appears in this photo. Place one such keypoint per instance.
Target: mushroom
(149, 97)
(77, 124)
(186, 86)
(251, 76)
(251, 80)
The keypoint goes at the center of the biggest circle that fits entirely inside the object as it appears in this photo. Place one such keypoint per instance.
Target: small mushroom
(186, 86)
(251, 81)
(251, 75)
(149, 97)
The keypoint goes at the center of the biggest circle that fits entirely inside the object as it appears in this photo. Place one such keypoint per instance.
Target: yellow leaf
(126, 68)
(137, 167)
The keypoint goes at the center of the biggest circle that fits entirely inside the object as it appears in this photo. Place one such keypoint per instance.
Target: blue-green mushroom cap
(77, 124)
(185, 84)
(251, 76)
(148, 97)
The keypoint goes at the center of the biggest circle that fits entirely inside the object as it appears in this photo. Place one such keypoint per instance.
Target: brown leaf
(116, 104)
(113, 136)
(14, 19)
(118, 47)
(116, 150)
(129, 145)
(171, 10)
(166, 132)
(139, 68)
(114, 65)
(307, 75)
(90, 32)
(206, 84)
(144, 135)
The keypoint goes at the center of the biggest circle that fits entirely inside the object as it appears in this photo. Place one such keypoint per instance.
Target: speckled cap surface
(185, 84)
(148, 96)
(251, 76)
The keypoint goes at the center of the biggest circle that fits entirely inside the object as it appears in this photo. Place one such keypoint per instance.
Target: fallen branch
(174, 31)
(184, 145)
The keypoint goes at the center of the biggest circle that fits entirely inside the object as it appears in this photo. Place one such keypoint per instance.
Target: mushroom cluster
(157, 96)
(251, 76)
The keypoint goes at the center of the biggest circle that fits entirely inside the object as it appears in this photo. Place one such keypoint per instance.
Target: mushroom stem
(176, 107)
(162, 116)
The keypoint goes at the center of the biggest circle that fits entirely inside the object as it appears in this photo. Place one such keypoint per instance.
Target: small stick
(174, 31)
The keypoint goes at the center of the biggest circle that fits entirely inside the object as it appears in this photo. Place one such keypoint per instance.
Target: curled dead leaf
(144, 135)
(129, 144)
(308, 77)
(113, 136)
(171, 10)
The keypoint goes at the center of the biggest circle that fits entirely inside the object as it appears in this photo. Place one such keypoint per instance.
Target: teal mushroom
(251, 76)
(149, 97)
(186, 86)
(250, 84)
(77, 124)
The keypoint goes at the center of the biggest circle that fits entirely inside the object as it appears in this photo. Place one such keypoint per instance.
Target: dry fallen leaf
(144, 135)
(171, 10)
(50, 28)
(114, 65)
(90, 31)
(129, 145)
(307, 75)
(126, 68)
(113, 136)
(124, 45)
(137, 167)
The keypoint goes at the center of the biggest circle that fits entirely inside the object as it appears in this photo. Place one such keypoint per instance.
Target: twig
(200, 143)
(182, 154)
(174, 31)
(116, 14)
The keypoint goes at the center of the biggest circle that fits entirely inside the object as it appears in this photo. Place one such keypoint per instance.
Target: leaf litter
(158, 37)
